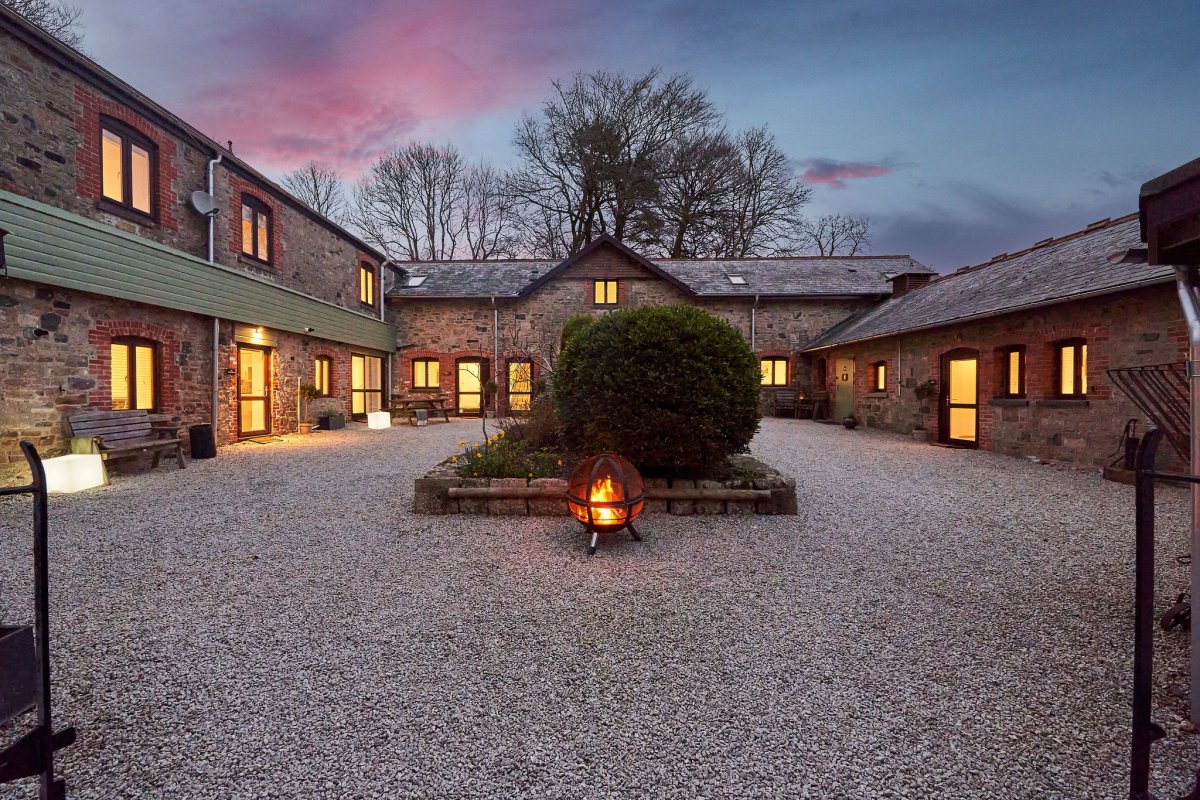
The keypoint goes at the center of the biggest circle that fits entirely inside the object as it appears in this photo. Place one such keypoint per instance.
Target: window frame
(437, 386)
(787, 371)
(879, 377)
(597, 283)
(129, 136)
(508, 383)
(132, 343)
(1079, 371)
(1006, 372)
(257, 208)
(327, 390)
(364, 392)
(367, 268)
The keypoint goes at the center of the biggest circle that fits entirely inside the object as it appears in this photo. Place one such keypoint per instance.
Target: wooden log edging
(766, 492)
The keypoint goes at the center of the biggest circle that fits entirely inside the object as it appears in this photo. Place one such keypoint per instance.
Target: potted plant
(922, 391)
(489, 396)
(851, 422)
(308, 393)
(329, 414)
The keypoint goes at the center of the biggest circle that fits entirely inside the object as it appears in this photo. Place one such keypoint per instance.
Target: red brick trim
(100, 361)
(237, 188)
(87, 155)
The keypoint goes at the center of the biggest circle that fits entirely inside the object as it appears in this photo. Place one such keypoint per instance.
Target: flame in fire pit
(603, 491)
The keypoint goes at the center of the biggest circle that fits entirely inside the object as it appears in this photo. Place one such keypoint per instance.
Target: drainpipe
(216, 327)
(1189, 299)
(496, 363)
(754, 324)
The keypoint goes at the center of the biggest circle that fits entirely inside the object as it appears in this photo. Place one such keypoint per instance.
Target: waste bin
(203, 443)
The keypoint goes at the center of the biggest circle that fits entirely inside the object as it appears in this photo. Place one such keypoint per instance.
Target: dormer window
(737, 280)
(415, 280)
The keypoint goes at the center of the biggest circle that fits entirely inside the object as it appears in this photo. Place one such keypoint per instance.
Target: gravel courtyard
(276, 623)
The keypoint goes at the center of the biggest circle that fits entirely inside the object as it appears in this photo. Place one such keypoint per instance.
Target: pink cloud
(384, 74)
(827, 172)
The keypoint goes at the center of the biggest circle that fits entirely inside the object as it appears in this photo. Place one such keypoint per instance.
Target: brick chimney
(907, 282)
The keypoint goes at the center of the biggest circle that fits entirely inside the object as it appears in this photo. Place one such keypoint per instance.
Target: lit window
(774, 371)
(416, 280)
(520, 385)
(425, 373)
(256, 229)
(366, 384)
(737, 280)
(127, 164)
(1072, 368)
(1014, 371)
(605, 293)
(366, 284)
(134, 374)
(879, 376)
(322, 369)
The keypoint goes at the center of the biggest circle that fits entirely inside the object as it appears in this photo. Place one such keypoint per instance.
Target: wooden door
(843, 399)
(254, 390)
(959, 423)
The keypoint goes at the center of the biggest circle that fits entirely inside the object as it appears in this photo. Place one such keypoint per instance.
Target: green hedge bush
(672, 388)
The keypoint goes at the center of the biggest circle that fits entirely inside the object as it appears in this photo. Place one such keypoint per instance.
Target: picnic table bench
(409, 404)
(119, 434)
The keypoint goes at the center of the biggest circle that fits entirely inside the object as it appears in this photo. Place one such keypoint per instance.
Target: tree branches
(58, 18)
(319, 186)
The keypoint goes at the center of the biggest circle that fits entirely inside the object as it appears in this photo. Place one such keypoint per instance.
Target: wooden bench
(813, 405)
(119, 434)
(785, 402)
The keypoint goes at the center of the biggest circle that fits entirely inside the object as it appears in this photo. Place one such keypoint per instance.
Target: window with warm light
(256, 229)
(774, 371)
(134, 374)
(1071, 365)
(426, 374)
(879, 376)
(520, 385)
(322, 375)
(366, 384)
(128, 162)
(604, 293)
(1013, 379)
(366, 284)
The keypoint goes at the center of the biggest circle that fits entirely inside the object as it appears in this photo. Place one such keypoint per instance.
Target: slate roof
(768, 277)
(1054, 270)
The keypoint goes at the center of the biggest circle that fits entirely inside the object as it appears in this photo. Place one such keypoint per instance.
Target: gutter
(998, 313)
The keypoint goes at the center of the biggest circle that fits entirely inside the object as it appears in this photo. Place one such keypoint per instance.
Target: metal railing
(1162, 393)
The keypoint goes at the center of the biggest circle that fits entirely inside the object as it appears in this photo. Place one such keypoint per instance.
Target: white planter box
(74, 473)
(379, 419)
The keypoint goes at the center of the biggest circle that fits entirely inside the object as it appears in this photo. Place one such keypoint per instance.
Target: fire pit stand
(606, 494)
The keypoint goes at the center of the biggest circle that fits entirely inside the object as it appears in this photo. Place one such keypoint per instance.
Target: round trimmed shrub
(672, 388)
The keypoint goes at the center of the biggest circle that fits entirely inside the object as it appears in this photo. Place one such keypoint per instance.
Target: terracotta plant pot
(306, 426)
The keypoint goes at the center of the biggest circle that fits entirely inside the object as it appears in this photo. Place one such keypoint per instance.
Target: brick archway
(100, 362)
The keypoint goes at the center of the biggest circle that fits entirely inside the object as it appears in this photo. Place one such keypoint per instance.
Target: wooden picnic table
(409, 404)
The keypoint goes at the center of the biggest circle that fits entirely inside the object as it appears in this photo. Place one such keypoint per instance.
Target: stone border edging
(768, 492)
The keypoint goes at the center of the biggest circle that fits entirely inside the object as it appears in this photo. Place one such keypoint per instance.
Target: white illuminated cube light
(73, 473)
(379, 419)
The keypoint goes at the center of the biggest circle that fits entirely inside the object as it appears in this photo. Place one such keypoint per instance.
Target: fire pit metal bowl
(606, 494)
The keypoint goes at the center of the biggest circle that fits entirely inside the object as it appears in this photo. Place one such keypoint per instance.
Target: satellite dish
(205, 203)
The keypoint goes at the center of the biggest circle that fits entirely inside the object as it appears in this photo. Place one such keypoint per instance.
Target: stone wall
(530, 327)
(1129, 329)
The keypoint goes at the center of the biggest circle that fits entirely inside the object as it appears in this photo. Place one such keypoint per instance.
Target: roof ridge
(782, 258)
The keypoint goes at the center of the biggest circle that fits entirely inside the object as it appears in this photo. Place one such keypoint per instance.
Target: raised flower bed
(755, 489)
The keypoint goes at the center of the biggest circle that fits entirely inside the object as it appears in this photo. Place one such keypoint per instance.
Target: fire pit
(605, 493)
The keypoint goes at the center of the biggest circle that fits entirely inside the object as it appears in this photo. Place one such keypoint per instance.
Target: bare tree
(694, 196)
(425, 203)
(763, 215)
(836, 234)
(58, 18)
(319, 186)
(593, 158)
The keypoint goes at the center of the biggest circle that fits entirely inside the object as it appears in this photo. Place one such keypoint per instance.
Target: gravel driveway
(275, 623)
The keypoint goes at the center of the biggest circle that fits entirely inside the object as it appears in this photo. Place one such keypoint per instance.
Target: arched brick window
(136, 373)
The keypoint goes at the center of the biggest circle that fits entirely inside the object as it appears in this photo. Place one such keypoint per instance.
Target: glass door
(470, 387)
(960, 398)
(366, 384)
(254, 391)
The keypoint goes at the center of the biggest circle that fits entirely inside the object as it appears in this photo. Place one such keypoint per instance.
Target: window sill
(1062, 402)
(1008, 401)
(251, 261)
(877, 395)
(125, 212)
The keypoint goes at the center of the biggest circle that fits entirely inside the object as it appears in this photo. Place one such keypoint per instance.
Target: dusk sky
(963, 129)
